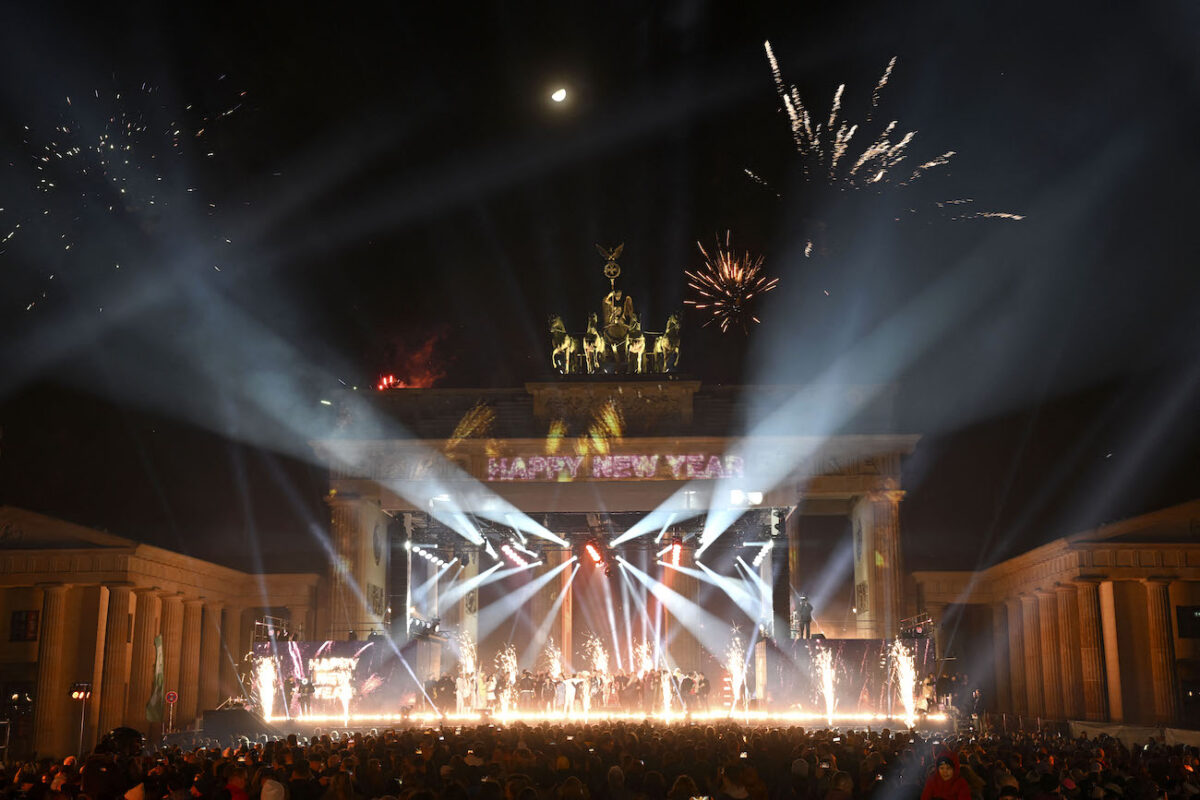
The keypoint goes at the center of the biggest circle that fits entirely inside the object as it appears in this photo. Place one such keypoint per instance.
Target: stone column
(885, 565)
(141, 670)
(1016, 656)
(114, 683)
(684, 648)
(1091, 651)
(1032, 643)
(210, 656)
(1112, 655)
(232, 650)
(1052, 701)
(566, 614)
(171, 625)
(1000, 654)
(298, 623)
(52, 717)
(1162, 651)
(1068, 627)
(189, 658)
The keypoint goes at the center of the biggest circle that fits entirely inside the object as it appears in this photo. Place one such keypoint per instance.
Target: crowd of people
(652, 691)
(622, 761)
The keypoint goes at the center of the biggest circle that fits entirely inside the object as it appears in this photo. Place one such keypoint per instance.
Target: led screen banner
(625, 466)
(332, 679)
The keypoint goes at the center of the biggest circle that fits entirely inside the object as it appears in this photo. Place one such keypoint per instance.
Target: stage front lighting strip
(838, 720)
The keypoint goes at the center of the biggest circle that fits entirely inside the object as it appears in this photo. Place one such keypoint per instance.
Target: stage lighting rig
(676, 551)
(426, 629)
(594, 552)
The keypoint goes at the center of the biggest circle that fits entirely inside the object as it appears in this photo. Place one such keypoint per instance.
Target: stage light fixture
(762, 552)
(513, 555)
(676, 550)
(593, 551)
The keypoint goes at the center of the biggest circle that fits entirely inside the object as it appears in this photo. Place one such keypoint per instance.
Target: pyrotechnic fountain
(553, 658)
(466, 653)
(643, 658)
(905, 674)
(597, 654)
(823, 662)
(266, 676)
(506, 665)
(735, 662)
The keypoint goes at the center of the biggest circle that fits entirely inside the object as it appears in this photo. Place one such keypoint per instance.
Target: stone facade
(100, 601)
(1086, 623)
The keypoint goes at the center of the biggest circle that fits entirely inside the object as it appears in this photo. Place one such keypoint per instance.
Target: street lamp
(81, 691)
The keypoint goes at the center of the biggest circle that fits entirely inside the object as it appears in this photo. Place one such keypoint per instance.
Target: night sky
(312, 200)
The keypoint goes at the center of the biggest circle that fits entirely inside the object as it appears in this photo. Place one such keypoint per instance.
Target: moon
(559, 95)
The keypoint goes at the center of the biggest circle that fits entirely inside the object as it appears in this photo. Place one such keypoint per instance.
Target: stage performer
(944, 783)
(687, 690)
(585, 691)
(804, 616)
(462, 692)
(560, 695)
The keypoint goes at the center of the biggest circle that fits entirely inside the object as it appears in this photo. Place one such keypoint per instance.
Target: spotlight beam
(543, 630)
(491, 615)
(696, 620)
(453, 594)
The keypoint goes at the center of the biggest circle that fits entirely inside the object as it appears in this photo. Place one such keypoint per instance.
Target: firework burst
(824, 145)
(726, 284)
(844, 156)
(110, 176)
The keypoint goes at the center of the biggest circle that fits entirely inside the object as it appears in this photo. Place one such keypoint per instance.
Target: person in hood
(944, 783)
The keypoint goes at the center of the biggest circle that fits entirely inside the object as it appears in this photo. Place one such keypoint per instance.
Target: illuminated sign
(628, 466)
(332, 677)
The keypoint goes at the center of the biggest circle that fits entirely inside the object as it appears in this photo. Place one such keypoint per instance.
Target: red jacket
(954, 789)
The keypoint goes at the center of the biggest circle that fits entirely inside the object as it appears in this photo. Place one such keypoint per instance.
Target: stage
(354, 685)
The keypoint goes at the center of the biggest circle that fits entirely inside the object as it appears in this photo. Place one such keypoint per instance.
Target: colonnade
(202, 642)
(1061, 656)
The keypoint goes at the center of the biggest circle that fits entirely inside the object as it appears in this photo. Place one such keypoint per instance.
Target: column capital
(141, 591)
(890, 495)
(51, 585)
(192, 602)
(1158, 580)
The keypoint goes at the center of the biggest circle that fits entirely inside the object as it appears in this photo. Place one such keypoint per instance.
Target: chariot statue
(614, 341)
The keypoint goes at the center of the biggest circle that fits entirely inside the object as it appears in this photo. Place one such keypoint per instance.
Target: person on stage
(525, 685)
(569, 695)
(462, 693)
(703, 687)
(804, 616)
(687, 691)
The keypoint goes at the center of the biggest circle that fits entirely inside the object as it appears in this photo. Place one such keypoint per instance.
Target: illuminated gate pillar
(878, 569)
(358, 576)
(566, 612)
(466, 610)
(684, 647)
(795, 584)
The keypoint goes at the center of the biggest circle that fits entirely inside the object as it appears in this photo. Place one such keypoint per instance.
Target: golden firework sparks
(726, 284)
